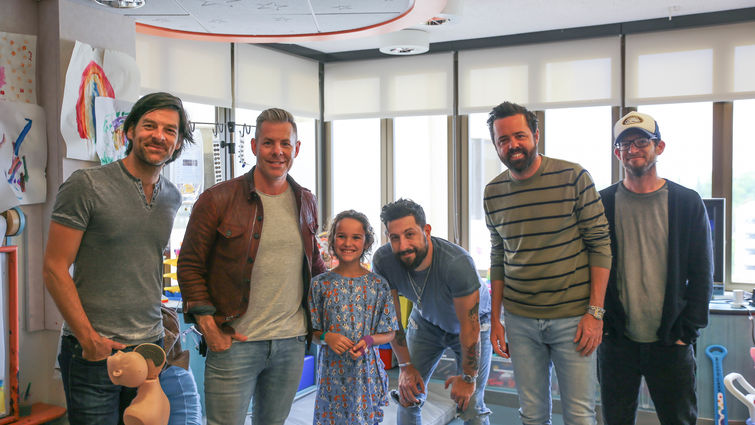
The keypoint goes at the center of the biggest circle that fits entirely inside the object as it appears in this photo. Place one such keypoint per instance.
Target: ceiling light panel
(361, 6)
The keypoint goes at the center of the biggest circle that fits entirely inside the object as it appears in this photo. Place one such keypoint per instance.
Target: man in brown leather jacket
(244, 269)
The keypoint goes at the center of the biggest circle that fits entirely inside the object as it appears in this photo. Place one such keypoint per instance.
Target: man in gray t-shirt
(112, 224)
(660, 283)
(451, 309)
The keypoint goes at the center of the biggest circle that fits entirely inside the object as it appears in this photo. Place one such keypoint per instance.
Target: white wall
(57, 23)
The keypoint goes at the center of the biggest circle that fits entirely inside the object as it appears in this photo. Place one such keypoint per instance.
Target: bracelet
(404, 364)
(368, 340)
(322, 336)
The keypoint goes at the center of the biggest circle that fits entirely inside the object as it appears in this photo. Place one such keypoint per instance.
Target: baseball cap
(636, 121)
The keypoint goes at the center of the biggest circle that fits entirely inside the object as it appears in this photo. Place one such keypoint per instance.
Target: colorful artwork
(23, 154)
(93, 83)
(93, 73)
(17, 59)
(111, 140)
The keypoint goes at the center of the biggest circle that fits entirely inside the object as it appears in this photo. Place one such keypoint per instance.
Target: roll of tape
(16, 221)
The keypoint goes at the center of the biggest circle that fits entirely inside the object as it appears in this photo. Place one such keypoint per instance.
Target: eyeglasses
(638, 143)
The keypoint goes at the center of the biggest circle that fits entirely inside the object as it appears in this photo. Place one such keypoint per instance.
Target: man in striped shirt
(550, 261)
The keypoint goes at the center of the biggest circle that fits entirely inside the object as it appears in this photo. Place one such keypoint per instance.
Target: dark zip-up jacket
(220, 246)
(689, 279)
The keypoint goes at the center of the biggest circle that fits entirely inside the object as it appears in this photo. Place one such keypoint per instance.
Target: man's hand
(410, 385)
(338, 343)
(589, 334)
(99, 348)
(216, 339)
(461, 391)
(498, 339)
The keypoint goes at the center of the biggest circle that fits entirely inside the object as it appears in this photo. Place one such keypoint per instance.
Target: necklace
(417, 291)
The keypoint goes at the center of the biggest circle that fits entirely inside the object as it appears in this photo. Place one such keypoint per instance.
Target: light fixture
(451, 14)
(122, 4)
(405, 42)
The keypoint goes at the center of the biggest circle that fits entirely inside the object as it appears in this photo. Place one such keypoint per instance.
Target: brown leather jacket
(218, 251)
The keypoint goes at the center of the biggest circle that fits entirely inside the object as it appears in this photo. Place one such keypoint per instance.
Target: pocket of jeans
(411, 324)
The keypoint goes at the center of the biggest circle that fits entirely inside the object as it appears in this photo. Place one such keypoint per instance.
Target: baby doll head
(348, 222)
(128, 369)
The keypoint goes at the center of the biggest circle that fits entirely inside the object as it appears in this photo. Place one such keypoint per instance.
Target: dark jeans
(669, 372)
(90, 396)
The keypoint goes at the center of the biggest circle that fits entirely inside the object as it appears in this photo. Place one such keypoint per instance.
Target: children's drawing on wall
(110, 115)
(23, 154)
(93, 73)
(17, 58)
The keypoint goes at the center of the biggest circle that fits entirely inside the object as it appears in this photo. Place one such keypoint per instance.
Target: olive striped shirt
(546, 232)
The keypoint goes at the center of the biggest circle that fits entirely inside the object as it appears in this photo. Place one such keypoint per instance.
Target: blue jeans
(91, 397)
(535, 345)
(269, 370)
(179, 386)
(669, 372)
(426, 343)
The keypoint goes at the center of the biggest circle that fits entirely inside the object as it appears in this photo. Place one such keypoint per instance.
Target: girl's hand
(359, 349)
(338, 343)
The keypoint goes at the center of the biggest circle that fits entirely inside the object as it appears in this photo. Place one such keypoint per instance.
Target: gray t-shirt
(642, 239)
(119, 266)
(275, 304)
(452, 274)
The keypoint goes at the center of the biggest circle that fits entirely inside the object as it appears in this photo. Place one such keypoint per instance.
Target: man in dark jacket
(249, 253)
(660, 282)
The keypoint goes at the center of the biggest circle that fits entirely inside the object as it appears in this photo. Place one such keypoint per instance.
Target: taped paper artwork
(23, 154)
(93, 73)
(111, 139)
(17, 59)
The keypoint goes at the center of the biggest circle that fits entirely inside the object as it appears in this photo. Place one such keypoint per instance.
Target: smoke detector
(122, 4)
(405, 42)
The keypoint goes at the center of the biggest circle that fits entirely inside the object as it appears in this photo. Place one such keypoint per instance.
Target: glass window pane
(420, 166)
(192, 172)
(356, 169)
(743, 193)
(687, 129)
(304, 170)
(582, 135)
(245, 159)
(484, 165)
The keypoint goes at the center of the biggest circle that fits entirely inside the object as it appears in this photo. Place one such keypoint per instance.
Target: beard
(640, 170)
(521, 164)
(419, 256)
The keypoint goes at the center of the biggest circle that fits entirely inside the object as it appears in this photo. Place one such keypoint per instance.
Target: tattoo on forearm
(472, 359)
(400, 337)
(473, 313)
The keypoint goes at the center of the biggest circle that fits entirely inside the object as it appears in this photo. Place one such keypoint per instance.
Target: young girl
(352, 313)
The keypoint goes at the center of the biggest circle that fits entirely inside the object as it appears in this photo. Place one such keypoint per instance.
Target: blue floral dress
(351, 391)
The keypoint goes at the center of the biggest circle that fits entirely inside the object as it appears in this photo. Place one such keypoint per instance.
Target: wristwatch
(596, 312)
(469, 379)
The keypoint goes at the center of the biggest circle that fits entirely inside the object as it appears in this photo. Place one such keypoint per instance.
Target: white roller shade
(266, 78)
(391, 87)
(195, 71)
(541, 76)
(702, 64)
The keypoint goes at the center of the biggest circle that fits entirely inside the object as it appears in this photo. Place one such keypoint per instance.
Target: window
(356, 170)
(743, 193)
(582, 135)
(194, 171)
(304, 170)
(687, 129)
(420, 166)
(484, 165)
